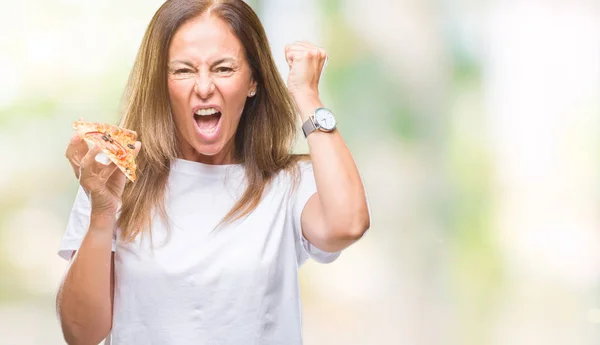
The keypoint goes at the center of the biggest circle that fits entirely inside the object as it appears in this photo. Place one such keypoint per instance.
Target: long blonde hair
(265, 134)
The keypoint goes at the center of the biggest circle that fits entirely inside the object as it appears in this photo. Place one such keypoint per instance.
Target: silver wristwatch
(322, 119)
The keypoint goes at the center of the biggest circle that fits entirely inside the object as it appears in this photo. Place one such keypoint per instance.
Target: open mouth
(207, 121)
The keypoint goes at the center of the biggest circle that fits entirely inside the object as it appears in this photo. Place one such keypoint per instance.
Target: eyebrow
(220, 61)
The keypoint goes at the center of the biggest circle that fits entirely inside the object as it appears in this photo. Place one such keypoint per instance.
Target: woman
(204, 247)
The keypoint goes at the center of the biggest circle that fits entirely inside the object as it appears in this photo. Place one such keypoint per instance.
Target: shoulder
(295, 171)
(296, 179)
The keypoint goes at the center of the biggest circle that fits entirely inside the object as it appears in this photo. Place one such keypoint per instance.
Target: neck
(224, 157)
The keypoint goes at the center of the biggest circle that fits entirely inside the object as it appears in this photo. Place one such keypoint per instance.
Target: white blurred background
(474, 123)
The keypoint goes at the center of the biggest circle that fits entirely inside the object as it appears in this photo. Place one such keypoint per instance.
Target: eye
(183, 70)
(224, 69)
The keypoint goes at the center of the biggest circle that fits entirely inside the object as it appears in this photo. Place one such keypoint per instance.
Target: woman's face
(209, 81)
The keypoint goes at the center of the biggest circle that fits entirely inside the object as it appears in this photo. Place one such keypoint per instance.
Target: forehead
(204, 38)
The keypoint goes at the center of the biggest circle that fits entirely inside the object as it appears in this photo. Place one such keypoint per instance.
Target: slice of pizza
(115, 142)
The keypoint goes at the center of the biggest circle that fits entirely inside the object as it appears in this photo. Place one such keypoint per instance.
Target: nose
(204, 86)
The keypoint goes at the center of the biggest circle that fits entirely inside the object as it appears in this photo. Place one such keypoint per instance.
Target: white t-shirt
(235, 285)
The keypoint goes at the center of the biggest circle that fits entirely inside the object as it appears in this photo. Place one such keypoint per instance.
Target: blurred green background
(475, 125)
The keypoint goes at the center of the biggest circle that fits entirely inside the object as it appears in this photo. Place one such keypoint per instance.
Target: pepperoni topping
(112, 145)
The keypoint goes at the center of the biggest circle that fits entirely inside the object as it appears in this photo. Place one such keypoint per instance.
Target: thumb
(289, 58)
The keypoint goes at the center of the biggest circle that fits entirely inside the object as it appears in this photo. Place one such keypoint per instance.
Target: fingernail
(102, 158)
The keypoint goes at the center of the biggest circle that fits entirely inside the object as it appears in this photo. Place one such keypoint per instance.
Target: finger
(323, 54)
(294, 55)
(90, 167)
(75, 151)
(84, 164)
(323, 62)
(89, 160)
(295, 48)
(107, 170)
(292, 46)
(316, 54)
(79, 145)
(76, 145)
(306, 45)
(290, 57)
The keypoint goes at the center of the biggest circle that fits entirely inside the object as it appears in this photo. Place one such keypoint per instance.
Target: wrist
(103, 219)
(306, 103)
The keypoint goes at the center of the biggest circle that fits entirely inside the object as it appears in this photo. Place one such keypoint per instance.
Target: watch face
(325, 119)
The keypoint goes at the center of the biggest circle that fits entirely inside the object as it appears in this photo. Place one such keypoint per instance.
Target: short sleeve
(77, 226)
(303, 191)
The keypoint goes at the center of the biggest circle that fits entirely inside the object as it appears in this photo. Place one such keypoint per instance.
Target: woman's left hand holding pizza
(103, 183)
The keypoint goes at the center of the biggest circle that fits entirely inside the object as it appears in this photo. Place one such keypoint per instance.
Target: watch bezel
(318, 124)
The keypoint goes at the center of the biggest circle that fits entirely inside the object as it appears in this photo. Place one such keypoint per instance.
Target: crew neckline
(182, 165)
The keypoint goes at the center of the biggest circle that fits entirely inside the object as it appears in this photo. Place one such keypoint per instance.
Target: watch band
(308, 126)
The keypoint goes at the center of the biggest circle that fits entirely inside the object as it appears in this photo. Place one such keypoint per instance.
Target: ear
(253, 89)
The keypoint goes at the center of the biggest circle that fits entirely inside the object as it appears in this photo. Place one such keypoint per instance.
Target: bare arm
(85, 298)
(337, 215)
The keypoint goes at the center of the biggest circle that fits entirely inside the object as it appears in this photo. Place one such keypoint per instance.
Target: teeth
(207, 111)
